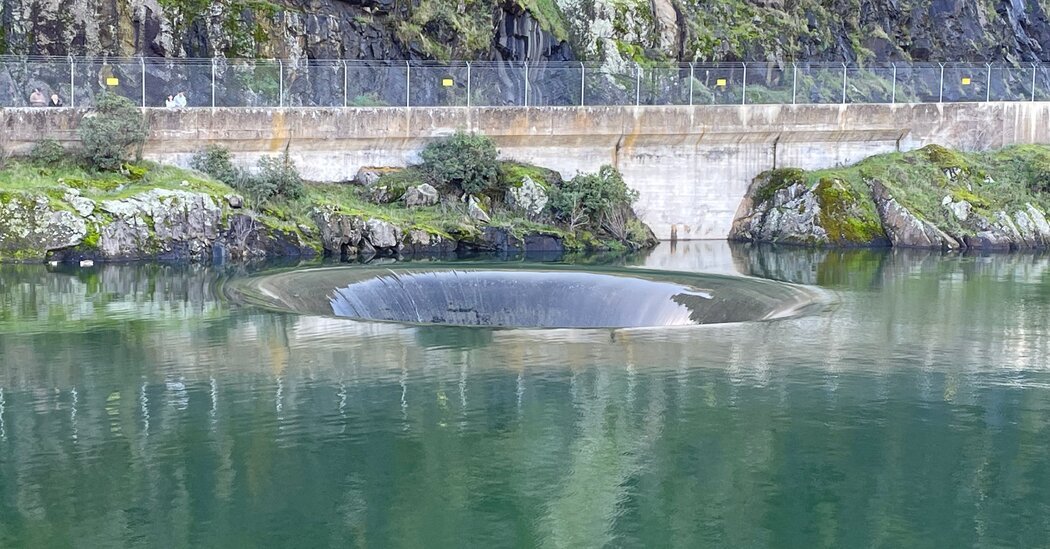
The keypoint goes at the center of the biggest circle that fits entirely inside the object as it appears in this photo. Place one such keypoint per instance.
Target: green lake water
(140, 408)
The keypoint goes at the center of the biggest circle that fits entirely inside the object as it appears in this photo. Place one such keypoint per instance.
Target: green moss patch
(848, 216)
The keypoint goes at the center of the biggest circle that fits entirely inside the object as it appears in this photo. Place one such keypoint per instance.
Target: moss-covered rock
(932, 197)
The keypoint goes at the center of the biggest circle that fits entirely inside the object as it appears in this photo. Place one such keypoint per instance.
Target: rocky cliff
(600, 30)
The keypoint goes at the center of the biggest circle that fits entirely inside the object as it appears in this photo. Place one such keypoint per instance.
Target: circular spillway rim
(251, 290)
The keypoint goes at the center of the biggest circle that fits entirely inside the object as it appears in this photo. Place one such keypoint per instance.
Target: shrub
(465, 161)
(280, 174)
(215, 161)
(276, 176)
(47, 151)
(598, 200)
(110, 130)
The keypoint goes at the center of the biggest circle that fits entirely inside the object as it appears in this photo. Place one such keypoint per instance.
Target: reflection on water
(139, 409)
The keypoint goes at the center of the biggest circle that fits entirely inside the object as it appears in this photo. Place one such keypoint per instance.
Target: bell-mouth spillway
(526, 297)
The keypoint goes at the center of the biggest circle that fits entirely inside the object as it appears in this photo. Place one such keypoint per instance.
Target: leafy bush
(465, 161)
(276, 176)
(280, 174)
(598, 200)
(47, 151)
(215, 161)
(111, 130)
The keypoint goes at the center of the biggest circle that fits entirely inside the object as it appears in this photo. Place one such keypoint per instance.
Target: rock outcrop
(781, 207)
(30, 227)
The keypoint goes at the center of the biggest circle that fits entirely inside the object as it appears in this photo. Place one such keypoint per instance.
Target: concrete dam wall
(691, 165)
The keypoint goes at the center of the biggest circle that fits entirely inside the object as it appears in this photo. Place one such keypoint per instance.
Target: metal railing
(221, 82)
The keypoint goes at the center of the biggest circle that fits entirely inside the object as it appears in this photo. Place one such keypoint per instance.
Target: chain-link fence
(220, 82)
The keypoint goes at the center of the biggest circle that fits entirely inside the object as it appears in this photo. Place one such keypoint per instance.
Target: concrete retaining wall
(691, 165)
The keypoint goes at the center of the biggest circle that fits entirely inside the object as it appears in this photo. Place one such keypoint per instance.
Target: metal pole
(408, 84)
(346, 84)
(213, 82)
(526, 83)
(280, 83)
(1033, 81)
(843, 83)
(940, 98)
(692, 73)
(583, 80)
(794, 81)
(637, 84)
(988, 84)
(893, 94)
(468, 84)
(743, 90)
(72, 84)
(142, 63)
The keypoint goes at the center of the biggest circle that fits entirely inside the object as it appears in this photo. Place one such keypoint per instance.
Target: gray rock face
(382, 234)
(30, 227)
(475, 210)
(961, 209)
(83, 206)
(903, 227)
(183, 224)
(529, 198)
(421, 195)
(790, 215)
(367, 176)
(340, 234)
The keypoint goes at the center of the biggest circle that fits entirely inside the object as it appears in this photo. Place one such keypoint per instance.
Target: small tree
(47, 152)
(599, 200)
(466, 161)
(215, 161)
(276, 176)
(111, 130)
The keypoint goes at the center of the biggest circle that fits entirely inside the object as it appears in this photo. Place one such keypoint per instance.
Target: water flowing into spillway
(538, 297)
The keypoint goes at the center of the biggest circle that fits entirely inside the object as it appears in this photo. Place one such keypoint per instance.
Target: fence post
(940, 97)
(843, 83)
(213, 82)
(743, 89)
(637, 84)
(583, 81)
(1033, 81)
(468, 84)
(526, 83)
(893, 93)
(408, 84)
(988, 85)
(692, 75)
(346, 84)
(142, 64)
(794, 81)
(280, 83)
(72, 84)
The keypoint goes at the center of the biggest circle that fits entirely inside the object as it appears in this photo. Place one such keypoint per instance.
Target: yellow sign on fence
(966, 81)
(720, 82)
(111, 81)
(447, 82)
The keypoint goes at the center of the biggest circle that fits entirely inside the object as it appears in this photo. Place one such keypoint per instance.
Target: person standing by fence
(36, 99)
